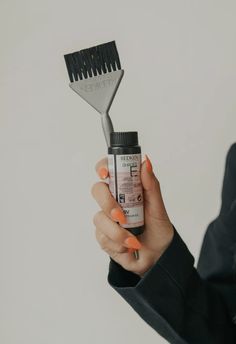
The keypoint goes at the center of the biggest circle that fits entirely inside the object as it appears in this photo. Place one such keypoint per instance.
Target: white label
(126, 187)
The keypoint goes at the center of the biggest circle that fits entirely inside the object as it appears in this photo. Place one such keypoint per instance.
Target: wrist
(154, 256)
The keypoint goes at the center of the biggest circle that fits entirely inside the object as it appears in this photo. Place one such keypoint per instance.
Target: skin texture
(111, 236)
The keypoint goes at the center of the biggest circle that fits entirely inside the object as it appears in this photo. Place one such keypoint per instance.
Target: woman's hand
(117, 241)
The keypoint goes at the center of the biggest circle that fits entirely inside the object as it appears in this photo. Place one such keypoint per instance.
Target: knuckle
(99, 235)
(97, 218)
(103, 240)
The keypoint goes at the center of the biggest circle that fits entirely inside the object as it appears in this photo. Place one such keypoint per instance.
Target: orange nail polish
(118, 215)
(103, 172)
(132, 242)
(148, 164)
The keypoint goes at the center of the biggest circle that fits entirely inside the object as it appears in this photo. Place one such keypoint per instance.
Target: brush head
(97, 60)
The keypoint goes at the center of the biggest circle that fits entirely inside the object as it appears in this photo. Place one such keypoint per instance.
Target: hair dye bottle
(124, 165)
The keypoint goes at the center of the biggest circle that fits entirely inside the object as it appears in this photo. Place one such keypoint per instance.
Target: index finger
(100, 191)
(101, 168)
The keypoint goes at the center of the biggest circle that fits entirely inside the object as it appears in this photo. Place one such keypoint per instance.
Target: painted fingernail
(132, 242)
(103, 172)
(118, 215)
(148, 164)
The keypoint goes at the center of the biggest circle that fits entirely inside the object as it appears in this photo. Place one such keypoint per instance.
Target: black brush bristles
(90, 62)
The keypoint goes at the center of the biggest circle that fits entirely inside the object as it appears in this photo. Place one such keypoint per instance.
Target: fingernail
(148, 164)
(132, 242)
(103, 172)
(118, 215)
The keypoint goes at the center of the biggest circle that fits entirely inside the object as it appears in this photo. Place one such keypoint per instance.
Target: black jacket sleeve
(176, 301)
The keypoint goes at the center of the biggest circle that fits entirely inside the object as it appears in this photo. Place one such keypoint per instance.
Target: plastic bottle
(124, 165)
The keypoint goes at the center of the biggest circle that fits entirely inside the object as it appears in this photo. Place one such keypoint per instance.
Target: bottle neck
(124, 150)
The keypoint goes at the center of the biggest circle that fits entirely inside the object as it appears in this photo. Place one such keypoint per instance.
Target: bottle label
(126, 187)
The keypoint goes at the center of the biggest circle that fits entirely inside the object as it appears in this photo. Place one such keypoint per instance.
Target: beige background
(178, 92)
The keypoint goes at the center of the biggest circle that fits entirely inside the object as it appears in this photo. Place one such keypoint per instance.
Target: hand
(117, 241)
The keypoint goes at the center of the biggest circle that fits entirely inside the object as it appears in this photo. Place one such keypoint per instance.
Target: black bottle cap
(123, 138)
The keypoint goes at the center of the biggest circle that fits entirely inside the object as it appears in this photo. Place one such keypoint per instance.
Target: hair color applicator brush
(95, 74)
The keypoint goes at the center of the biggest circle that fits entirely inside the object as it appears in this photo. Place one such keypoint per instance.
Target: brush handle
(107, 127)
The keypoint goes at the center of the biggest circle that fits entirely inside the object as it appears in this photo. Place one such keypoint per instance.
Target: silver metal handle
(107, 127)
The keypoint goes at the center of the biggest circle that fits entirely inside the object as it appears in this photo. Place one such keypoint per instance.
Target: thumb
(153, 201)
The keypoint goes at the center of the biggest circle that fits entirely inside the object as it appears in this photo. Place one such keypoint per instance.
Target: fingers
(119, 253)
(101, 193)
(113, 238)
(107, 244)
(111, 229)
(101, 168)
